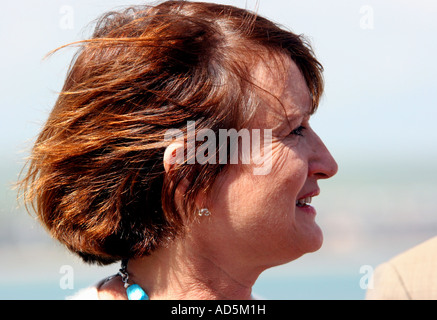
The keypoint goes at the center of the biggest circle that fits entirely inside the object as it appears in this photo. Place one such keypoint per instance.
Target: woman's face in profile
(266, 219)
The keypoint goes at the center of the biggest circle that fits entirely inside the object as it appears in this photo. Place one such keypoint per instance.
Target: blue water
(318, 287)
(311, 287)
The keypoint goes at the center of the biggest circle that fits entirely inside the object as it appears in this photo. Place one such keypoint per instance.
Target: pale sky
(379, 59)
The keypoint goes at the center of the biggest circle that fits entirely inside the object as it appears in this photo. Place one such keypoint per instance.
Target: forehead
(284, 93)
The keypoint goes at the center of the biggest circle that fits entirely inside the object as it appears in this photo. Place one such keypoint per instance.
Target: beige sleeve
(387, 284)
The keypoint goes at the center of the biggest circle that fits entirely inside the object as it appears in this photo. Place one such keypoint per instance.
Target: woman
(110, 180)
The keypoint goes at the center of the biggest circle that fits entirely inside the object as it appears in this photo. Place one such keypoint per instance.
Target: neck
(177, 273)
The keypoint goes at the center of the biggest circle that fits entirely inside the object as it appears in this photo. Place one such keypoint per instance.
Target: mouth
(305, 200)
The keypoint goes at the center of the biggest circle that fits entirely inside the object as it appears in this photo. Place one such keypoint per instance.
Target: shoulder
(409, 275)
(109, 288)
(90, 293)
(425, 252)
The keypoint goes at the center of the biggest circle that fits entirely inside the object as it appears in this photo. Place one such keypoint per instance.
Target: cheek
(258, 213)
(265, 199)
(289, 170)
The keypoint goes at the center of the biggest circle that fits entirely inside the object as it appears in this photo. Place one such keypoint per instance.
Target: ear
(173, 154)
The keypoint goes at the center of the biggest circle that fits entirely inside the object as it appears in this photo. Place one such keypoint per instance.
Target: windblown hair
(95, 177)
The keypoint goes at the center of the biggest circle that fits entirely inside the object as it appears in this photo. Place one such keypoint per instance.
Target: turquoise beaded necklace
(133, 291)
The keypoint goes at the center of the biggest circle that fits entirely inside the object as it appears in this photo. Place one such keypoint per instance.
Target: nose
(321, 163)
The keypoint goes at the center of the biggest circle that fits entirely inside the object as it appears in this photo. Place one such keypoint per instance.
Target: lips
(306, 199)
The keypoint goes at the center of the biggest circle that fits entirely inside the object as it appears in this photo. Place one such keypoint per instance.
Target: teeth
(303, 201)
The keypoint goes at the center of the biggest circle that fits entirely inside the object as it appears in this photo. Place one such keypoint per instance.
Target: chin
(316, 241)
(312, 242)
(308, 245)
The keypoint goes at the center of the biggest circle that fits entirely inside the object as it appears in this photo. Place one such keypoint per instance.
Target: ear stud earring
(204, 212)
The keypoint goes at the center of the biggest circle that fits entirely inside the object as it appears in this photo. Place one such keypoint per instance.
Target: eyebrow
(308, 113)
(290, 118)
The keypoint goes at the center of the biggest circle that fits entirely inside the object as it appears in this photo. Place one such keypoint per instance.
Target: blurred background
(377, 118)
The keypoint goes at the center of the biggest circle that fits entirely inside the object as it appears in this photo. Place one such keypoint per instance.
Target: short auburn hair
(95, 176)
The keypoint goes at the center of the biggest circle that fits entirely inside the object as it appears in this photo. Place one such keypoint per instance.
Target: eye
(298, 131)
